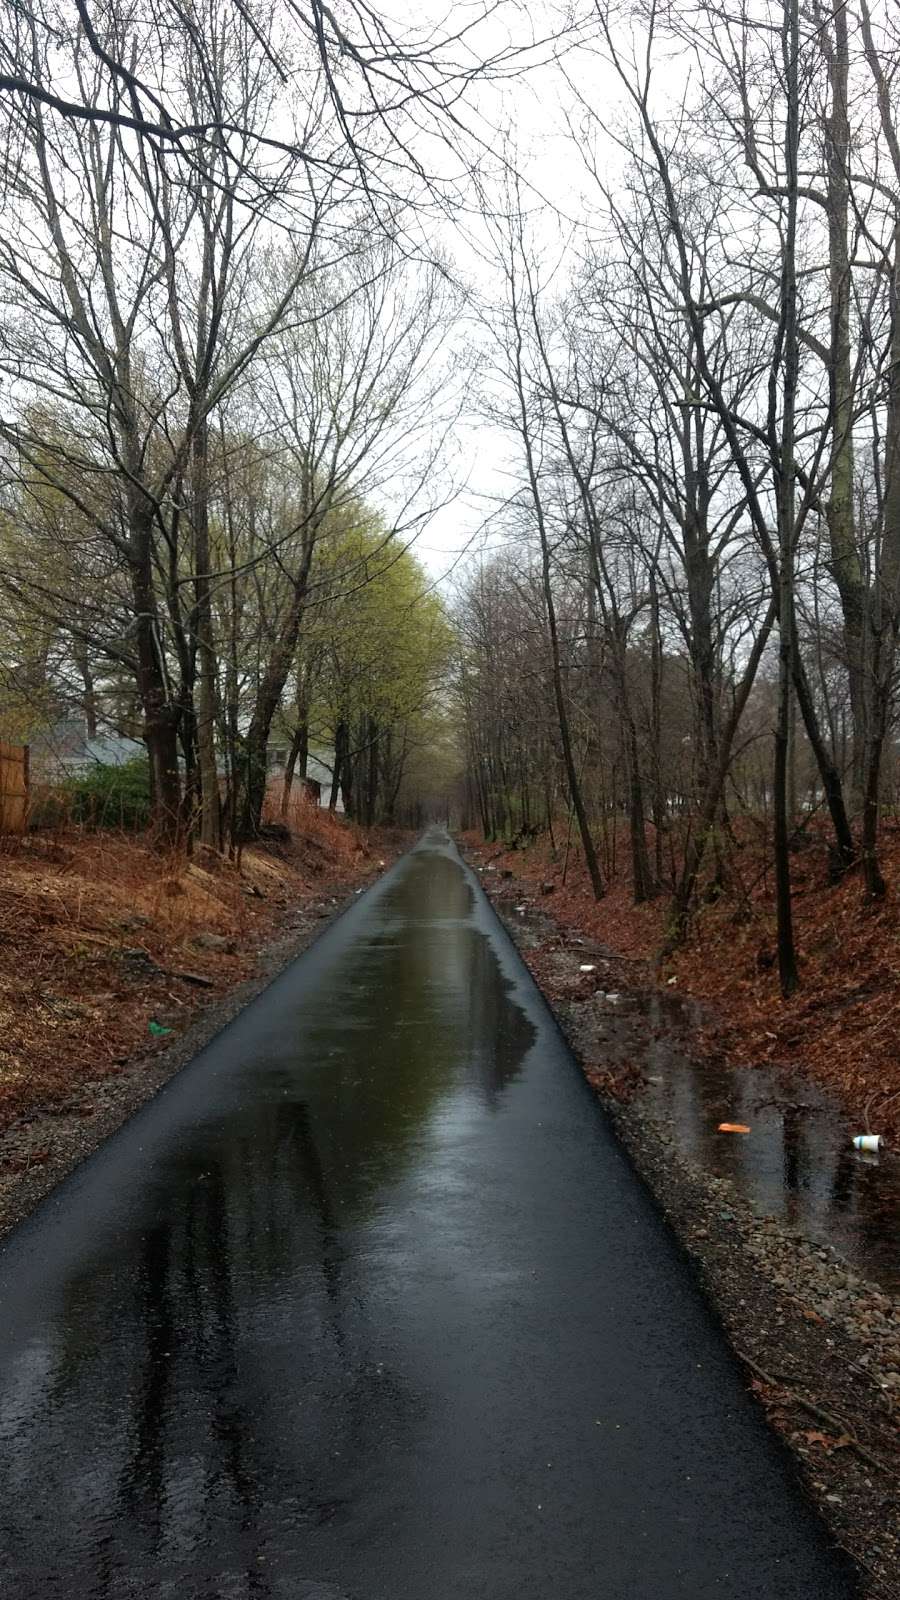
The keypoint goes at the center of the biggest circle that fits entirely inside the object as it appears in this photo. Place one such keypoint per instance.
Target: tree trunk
(788, 355)
(372, 773)
(643, 886)
(160, 730)
(831, 778)
(274, 678)
(683, 898)
(562, 715)
(210, 799)
(590, 854)
(699, 574)
(787, 959)
(845, 563)
(656, 669)
(298, 756)
(342, 782)
(886, 604)
(89, 697)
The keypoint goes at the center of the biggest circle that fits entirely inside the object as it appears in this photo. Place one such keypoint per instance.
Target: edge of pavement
(820, 1347)
(64, 1137)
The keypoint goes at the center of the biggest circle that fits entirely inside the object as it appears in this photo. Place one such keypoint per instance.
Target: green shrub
(111, 797)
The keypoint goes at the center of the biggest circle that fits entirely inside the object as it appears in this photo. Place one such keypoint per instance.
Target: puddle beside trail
(797, 1164)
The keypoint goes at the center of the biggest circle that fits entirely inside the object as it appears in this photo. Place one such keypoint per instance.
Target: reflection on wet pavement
(252, 1213)
(368, 1304)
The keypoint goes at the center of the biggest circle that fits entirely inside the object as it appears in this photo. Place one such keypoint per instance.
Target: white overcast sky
(532, 110)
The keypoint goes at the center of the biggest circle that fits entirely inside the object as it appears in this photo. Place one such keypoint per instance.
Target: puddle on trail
(797, 1163)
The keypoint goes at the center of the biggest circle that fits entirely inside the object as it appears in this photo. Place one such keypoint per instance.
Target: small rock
(214, 941)
(139, 963)
(276, 832)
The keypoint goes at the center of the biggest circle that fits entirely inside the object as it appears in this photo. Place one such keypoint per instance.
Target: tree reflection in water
(211, 1359)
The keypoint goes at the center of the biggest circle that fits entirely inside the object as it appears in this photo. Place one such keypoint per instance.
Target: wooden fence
(13, 787)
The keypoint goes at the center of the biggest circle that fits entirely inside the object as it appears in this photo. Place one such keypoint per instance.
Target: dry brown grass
(842, 1026)
(96, 930)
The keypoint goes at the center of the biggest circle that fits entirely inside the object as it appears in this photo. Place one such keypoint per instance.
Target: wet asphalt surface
(368, 1304)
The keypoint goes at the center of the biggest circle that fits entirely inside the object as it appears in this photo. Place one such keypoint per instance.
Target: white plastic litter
(587, 968)
(868, 1141)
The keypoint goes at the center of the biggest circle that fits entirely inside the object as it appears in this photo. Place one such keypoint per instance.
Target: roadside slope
(841, 1026)
(116, 967)
(821, 1345)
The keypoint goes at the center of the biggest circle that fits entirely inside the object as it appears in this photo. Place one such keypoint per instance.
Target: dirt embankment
(116, 966)
(842, 1026)
(820, 1345)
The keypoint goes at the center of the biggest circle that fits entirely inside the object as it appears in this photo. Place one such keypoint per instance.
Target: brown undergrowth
(841, 1027)
(103, 944)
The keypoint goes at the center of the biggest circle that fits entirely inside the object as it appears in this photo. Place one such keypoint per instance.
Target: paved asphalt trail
(368, 1303)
